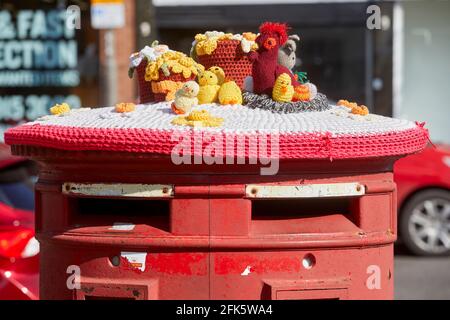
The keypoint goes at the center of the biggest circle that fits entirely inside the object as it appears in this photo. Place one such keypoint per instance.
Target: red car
(423, 182)
(19, 262)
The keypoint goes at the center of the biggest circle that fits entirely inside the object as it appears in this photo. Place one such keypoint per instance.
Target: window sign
(107, 14)
(41, 62)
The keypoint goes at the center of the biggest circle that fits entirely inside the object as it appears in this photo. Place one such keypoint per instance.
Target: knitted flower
(361, 110)
(176, 62)
(125, 107)
(60, 108)
(198, 118)
(207, 43)
(354, 108)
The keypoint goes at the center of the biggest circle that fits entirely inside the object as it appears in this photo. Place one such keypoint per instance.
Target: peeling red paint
(178, 263)
(127, 265)
(225, 264)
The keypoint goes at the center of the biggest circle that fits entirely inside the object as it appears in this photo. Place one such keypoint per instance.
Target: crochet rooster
(265, 68)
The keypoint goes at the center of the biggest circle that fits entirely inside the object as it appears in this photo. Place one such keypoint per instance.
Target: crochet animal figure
(220, 74)
(283, 91)
(286, 53)
(230, 93)
(266, 69)
(209, 88)
(186, 98)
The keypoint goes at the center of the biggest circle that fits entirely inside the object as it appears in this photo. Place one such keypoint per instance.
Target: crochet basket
(146, 95)
(230, 57)
(144, 88)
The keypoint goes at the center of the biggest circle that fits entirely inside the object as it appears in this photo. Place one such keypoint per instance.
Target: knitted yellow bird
(220, 74)
(230, 93)
(283, 91)
(209, 88)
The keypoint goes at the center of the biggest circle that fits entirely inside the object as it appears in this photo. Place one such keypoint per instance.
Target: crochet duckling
(209, 88)
(283, 91)
(230, 93)
(220, 74)
(185, 98)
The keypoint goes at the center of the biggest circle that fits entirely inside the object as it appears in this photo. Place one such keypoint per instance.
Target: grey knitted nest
(252, 100)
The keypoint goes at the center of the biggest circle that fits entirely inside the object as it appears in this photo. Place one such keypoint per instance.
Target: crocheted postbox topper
(335, 133)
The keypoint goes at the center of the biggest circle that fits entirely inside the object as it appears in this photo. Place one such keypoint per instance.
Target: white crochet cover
(237, 119)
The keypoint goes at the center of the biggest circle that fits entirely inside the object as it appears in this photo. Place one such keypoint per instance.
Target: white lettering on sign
(16, 107)
(37, 40)
(37, 50)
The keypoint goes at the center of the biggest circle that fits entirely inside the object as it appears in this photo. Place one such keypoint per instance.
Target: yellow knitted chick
(60, 108)
(185, 98)
(208, 88)
(230, 93)
(220, 74)
(283, 91)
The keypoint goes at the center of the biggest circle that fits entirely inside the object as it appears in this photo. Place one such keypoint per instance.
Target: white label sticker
(136, 259)
(122, 226)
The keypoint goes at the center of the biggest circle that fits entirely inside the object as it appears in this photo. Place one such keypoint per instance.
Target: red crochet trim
(291, 145)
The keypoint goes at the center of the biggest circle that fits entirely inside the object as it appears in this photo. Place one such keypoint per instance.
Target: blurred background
(392, 58)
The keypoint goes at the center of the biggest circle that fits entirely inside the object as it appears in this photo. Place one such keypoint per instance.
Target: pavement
(421, 277)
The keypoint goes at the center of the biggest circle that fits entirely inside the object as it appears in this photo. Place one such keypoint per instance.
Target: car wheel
(425, 223)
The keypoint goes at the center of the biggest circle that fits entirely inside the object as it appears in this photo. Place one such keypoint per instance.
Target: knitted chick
(283, 91)
(186, 98)
(220, 74)
(230, 93)
(209, 88)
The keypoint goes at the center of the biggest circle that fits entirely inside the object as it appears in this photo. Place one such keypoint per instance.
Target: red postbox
(120, 220)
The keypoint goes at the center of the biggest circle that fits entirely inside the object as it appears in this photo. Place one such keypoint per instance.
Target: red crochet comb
(273, 27)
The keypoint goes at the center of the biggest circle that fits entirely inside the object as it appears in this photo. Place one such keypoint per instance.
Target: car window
(18, 195)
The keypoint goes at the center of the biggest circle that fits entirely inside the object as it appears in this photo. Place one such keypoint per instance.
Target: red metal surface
(211, 241)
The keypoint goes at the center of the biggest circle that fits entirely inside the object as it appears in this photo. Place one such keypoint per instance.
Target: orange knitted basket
(230, 57)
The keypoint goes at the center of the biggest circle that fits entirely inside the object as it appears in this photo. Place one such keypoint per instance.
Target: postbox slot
(305, 215)
(95, 211)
